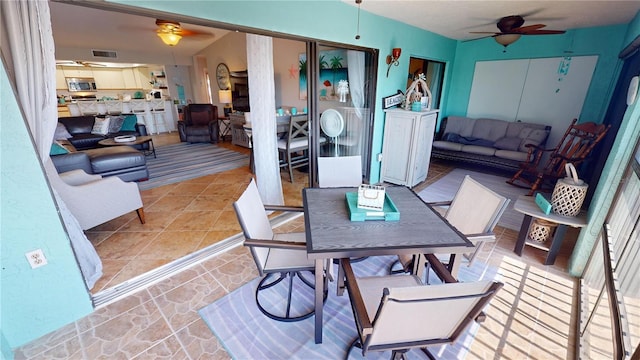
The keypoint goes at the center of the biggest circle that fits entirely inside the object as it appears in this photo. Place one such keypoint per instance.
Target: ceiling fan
(78, 62)
(171, 32)
(511, 29)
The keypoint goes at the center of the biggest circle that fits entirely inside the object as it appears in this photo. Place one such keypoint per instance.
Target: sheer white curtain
(352, 137)
(355, 59)
(29, 52)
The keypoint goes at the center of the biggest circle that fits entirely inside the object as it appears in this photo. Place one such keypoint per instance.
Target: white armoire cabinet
(406, 146)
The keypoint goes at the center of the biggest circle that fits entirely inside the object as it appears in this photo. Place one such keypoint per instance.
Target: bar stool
(114, 107)
(88, 107)
(157, 114)
(139, 108)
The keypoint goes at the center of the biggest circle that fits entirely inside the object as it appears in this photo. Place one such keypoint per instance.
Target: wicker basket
(541, 230)
(569, 193)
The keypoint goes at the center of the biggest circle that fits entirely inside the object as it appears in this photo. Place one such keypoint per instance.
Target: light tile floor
(198, 212)
(533, 316)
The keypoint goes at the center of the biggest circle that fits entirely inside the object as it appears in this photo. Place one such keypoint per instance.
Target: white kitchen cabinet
(406, 147)
(143, 77)
(129, 79)
(108, 78)
(77, 71)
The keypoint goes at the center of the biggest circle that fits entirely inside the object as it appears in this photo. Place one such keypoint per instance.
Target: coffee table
(138, 141)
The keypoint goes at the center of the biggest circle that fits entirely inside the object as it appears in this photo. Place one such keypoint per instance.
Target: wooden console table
(527, 205)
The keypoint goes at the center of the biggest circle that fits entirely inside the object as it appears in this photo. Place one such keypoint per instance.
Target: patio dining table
(331, 234)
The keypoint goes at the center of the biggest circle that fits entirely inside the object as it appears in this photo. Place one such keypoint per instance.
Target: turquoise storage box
(389, 210)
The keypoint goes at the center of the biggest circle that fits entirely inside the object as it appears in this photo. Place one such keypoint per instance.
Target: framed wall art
(333, 68)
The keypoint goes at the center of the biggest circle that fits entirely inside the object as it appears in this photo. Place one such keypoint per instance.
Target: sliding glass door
(341, 100)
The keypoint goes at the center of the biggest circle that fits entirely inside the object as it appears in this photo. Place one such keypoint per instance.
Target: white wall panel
(497, 88)
(547, 91)
(555, 91)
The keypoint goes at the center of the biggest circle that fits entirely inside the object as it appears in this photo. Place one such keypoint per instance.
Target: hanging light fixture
(169, 31)
(170, 39)
(506, 39)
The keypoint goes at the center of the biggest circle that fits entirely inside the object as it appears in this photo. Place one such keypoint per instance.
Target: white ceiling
(83, 27)
(456, 18)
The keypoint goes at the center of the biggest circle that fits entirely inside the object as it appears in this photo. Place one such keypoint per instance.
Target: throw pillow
(61, 132)
(129, 123)
(508, 143)
(115, 124)
(67, 145)
(100, 126)
(524, 133)
(535, 137)
(57, 149)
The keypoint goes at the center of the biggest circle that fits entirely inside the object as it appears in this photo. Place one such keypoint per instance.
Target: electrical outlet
(36, 258)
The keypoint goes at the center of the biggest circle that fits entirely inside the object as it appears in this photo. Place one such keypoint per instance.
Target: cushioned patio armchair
(92, 199)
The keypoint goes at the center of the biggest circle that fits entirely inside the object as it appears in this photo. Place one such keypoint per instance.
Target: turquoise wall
(332, 21)
(605, 42)
(33, 301)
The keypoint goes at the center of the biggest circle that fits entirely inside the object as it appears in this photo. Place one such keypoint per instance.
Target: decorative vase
(416, 106)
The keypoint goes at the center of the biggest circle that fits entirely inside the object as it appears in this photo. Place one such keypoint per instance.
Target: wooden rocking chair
(574, 147)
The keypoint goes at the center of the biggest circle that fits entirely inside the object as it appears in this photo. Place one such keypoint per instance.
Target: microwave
(155, 94)
(81, 84)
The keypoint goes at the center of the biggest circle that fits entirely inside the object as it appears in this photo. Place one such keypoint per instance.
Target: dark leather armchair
(200, 123)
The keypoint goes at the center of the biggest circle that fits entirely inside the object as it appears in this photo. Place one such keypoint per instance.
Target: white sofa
(491, 142)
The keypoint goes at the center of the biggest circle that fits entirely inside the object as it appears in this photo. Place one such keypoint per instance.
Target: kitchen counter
(170, 115)
(63, 110)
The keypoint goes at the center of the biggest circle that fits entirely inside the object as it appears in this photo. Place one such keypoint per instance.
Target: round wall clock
(222, 75)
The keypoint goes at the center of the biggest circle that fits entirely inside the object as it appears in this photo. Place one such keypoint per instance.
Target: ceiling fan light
(507, 39)
(169, 38)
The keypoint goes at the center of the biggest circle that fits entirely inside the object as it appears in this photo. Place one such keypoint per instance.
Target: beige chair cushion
(371, 289)
(409, 321)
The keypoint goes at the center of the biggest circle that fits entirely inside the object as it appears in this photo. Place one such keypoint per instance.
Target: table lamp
(225, 98)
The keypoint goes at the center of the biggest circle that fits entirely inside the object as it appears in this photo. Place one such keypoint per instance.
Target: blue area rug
(184, 161)
(248, 334)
